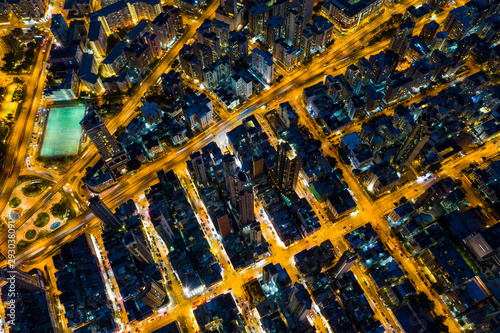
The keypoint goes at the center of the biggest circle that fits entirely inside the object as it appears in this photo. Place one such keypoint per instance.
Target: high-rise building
(211, 39)
(316, 35)
(346, 260)
(113, 17)
(438, 41)
(288, 165)
(163, 27)
(293, 28)
(103, 213)
(172, 84)
(5, 11)
(200, 172)
(153, 294)
(229, 164)
(176, 15)
(110, 150)
(229, 6)
(284, 54)
(233, 188)
(414, 143)
(246, 203)
(305, 9)
(144, 9)
(204, 54)
(223, 225)
(98, 40)
(255, 234)
(435, 4)
(88, 74)
(222, 31)
(237, 46)
(138, 248)
(399, 42)
(299, 302)
(257, 15)
(59, 28)
(457, 23)
(273, 28)
(349, 14)
(29, 9)
(105, 3)
(22, 280)
(263, 64)
(237, 180)
(429, 31)
(279, 8)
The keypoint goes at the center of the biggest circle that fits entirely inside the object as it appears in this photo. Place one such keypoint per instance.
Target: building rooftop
(352, 7)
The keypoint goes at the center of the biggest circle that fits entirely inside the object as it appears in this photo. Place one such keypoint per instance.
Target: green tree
(59, 209)
(30, 234)
(42, 220)
(14, 202)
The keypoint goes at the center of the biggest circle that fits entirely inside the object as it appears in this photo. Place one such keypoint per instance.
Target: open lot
(62, 135)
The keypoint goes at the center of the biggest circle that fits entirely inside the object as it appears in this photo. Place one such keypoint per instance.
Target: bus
(11, 170)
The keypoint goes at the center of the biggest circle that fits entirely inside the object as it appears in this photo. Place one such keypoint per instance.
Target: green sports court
(62, 134)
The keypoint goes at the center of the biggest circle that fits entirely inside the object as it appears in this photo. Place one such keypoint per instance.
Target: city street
(344, 53)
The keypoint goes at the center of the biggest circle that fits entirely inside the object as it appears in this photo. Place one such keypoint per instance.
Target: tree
(423, 300)
(395, 19)
(437, 288)
(331, 161)
(59, 209)
(120, 130)
(434, 167)
(133, 164)
(8, 60)
(14, 202)
(439, 325)
(339, 173)
(403, 200)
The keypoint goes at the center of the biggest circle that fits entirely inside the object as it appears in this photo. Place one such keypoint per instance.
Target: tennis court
(62, 135)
